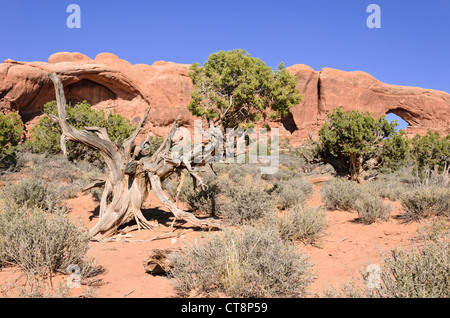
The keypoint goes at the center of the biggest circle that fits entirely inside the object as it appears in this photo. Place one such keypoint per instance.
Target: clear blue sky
(412, 47)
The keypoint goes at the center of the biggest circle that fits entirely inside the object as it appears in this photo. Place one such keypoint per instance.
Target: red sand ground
(346, 249)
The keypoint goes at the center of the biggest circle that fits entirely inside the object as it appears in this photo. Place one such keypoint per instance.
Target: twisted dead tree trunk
(132, 172)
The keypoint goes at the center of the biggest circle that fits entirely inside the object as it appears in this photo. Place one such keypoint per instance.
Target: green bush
(431, 150)
(253, 263)
(348, 139)
(302, 223)
(45, 136)
(154, 143)
(10, 134)
(232, 81)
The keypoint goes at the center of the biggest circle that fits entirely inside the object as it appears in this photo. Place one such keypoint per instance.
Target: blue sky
(412, 47)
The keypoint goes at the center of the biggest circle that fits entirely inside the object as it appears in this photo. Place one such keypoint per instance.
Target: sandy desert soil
(347, 248)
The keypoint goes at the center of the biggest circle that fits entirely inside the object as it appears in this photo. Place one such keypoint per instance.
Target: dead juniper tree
(132, 172)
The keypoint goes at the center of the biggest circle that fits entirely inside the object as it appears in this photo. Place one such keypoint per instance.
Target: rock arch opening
(90, 91)
(400, 116)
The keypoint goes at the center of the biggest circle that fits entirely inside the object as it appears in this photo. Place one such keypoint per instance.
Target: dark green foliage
(10, 134)
(431, 150)
(395, 152)
(349, 139)
(238, 89)
(45, 136)
(154, 143)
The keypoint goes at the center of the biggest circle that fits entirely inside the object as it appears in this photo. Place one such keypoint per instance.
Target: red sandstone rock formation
(327, 89)
(110, 83)
(106, 82)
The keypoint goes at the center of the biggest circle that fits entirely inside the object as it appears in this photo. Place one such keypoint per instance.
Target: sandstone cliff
(110, 83)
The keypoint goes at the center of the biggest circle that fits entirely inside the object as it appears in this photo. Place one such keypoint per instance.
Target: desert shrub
(10, 134)
(413, 272)
(66, 176)
(388, 188)
(281, 175)
(425, 201)
(432, 178)
(433, 229)
(290, 192)
(371, 208)
(302, 223)
(45, 136)
(418, 272)
(340, 194)
(154, 143)
(242, 204)
(431, 150)
(292, 162)
(239, 172)
(206, 200)
(395, 153)
(40, 242)
(253, 263)
(32, 193)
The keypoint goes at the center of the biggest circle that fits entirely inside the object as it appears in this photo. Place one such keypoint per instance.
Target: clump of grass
(340, 194)
(41, 242)
(243, 204)
(281, 175)
(302, 223)
(255, 262)
(291, 192)
(391, 189)
(413, 272)
(204, 200)
(371, 208)
(426, 201)
(433, 229)
(33, 193)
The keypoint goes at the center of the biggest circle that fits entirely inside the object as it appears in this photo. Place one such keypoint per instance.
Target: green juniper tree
(234, 89)
(353, 141)
(46, 135)
(10, 134)
(430, 151)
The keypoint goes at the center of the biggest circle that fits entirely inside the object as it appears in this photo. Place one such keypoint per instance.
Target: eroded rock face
(110, 83)
(327, 89)
(106, 82)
